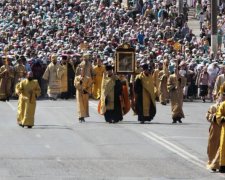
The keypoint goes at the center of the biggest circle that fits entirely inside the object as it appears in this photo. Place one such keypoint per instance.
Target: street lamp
(214, 43)
(180, 6)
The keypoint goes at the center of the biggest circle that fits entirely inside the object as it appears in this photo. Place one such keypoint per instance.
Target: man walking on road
(53, 75)
(83, 86)
(144, 95)
(28, 90)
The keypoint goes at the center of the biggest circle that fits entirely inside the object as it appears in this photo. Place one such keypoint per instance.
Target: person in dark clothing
(68, 89)
(37, 71)
(144, 95)
(111, 92)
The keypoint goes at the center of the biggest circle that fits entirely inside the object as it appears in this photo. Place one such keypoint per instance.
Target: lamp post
(214, 43)
(180, 6)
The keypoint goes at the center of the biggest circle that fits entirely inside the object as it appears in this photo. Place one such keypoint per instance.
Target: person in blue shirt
(141, 37)
(26, 64)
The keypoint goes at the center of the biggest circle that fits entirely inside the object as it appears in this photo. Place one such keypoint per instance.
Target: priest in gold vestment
(175, 86)
(220, 118)
(28, 90)
(98, 73)
(145, 106)
(53, 75)
(111, 96)
(6, 76)
(83, 85)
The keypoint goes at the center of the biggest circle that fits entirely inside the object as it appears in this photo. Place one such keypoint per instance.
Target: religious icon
(125, 59)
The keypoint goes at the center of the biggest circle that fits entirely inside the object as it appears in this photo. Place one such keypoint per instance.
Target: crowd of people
(66, 49)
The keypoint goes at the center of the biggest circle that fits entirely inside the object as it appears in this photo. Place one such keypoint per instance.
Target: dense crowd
(65, 44)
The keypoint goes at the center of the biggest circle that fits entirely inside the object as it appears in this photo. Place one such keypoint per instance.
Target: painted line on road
(175, 149)
(11, 106)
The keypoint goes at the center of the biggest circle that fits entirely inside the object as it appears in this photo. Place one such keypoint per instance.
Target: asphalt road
(59, 147)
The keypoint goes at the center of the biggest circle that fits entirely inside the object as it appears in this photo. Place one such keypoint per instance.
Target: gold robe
(219, 81)
(19, 72)
(53, 75)
(220, 116)
(156, 81)
(111, 98)
(98, 72)
(64, 79)
(107, 91)
(144, 97)
(82, 94)
(214, 137)
(163, 91)
(6, 81)
(87, 66)
(175, 88)
(28, 92)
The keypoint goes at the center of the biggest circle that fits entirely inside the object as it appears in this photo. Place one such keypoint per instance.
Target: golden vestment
(28, 92)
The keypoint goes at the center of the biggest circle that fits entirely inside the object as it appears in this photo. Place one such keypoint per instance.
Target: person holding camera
(83, 86)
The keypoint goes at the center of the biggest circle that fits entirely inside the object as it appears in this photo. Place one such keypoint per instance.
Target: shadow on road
(52, 127)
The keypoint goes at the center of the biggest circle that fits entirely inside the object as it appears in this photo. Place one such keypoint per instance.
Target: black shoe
(81, 119)
(21, 125)
(29, 127)
(142, 122)
(222, 169)
(174, 120)
(179, 120)
(163, 103)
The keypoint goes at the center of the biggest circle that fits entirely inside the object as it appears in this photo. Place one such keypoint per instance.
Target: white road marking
(11, 106)
(175, 149)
